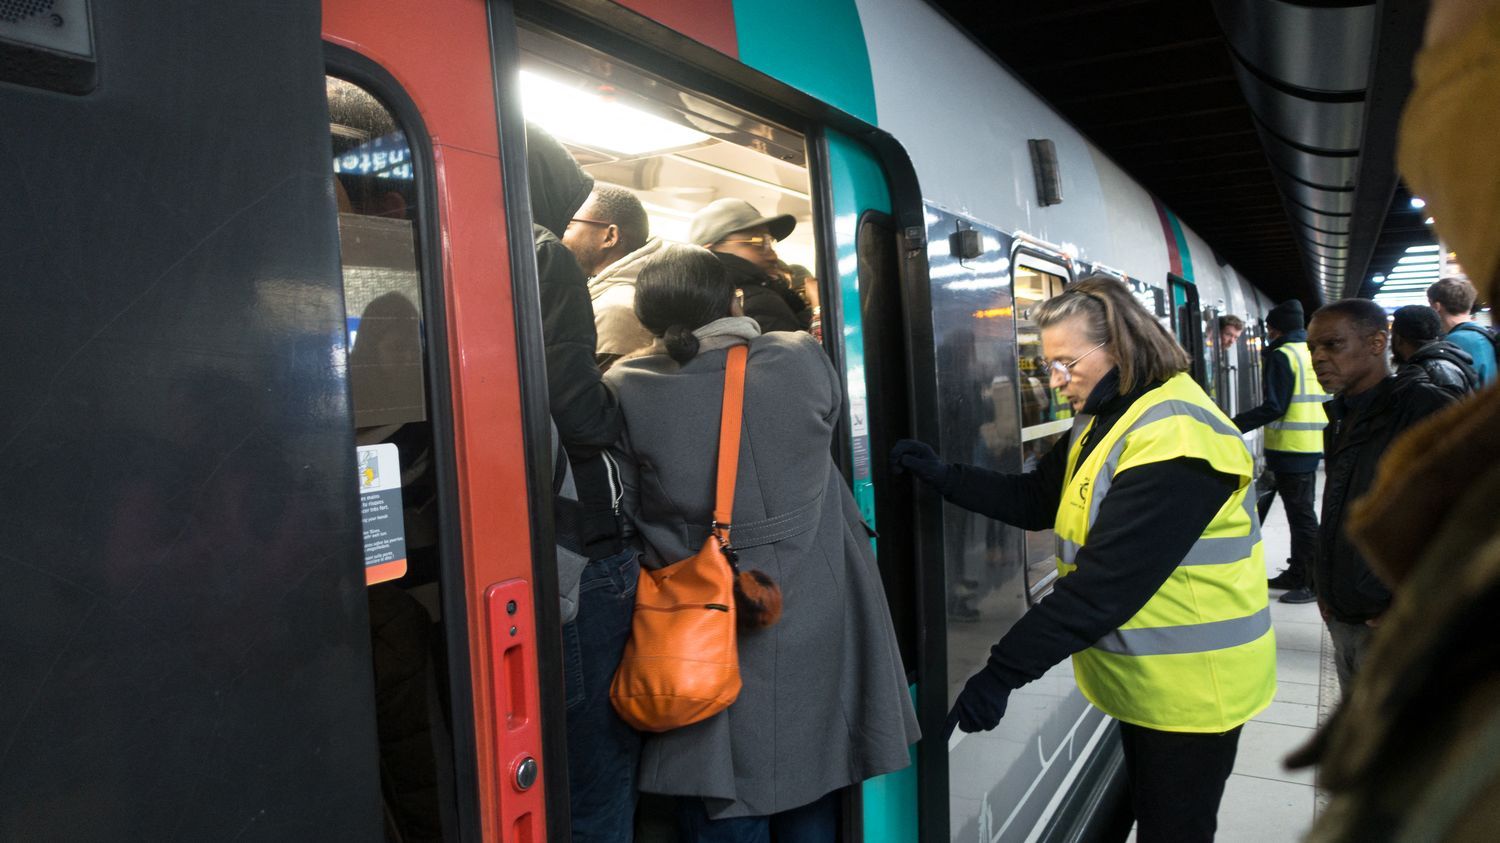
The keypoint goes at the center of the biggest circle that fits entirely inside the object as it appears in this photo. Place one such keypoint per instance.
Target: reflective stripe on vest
(1300, 428)
(1200, 655)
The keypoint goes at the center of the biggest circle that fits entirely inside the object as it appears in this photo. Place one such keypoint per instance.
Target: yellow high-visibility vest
(1200, 656)
(1300, 429)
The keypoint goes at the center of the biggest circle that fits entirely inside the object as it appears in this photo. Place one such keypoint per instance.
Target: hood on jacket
(1299, 335)
(1442, 350)
(559, 186)
(624, 271)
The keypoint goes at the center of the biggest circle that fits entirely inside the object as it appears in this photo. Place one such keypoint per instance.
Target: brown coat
(1417, 745)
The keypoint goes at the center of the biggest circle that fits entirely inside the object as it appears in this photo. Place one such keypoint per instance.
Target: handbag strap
(729, 439)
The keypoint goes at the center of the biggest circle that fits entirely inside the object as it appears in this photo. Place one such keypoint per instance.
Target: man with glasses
(745, 242)
(611, 237)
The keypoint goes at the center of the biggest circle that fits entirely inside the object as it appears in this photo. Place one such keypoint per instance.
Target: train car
(278, 437)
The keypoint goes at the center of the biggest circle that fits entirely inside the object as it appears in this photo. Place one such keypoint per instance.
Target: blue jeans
(602, 750)
(815, 823)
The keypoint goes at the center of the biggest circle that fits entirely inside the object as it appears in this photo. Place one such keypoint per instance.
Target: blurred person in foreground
(1414, 754)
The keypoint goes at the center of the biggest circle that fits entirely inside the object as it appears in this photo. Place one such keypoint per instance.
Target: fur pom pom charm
(758, 599)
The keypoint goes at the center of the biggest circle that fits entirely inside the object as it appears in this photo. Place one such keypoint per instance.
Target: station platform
(1264, 802)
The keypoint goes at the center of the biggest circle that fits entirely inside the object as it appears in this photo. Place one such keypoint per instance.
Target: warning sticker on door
(380, 512)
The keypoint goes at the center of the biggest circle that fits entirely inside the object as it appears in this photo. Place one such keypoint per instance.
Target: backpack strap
(730, 417)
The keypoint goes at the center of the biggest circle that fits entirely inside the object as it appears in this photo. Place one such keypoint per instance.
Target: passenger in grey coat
(825, 702)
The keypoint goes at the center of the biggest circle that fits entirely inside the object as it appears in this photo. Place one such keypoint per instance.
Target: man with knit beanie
(1291, 410)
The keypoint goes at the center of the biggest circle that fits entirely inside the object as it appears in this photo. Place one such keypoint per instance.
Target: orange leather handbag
(681, 664)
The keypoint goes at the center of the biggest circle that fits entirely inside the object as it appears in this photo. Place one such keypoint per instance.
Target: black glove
(922, 461)
(981, 704)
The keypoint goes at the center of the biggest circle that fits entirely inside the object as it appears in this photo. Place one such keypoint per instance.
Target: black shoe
(1286, 579)
(1302, 594)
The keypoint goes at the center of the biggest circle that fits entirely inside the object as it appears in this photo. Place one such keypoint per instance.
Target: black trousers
(1298, 493)
(1176, 781)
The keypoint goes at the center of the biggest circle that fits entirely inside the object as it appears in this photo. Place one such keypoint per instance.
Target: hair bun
(682, 343)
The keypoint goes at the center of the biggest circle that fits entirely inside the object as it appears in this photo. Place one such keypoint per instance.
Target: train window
(1187, 325)
(375, 185)
(1045, 414)
(675, 150)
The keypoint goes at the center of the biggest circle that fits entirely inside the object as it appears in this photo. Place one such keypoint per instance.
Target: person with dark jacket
(1159, 598)
(1453, 299)
(1347, 342)
(1417, 349)
(602, 749)
(1292, 413)
(745, 242)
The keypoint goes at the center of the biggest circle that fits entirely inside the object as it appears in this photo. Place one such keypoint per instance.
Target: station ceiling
(1267, 125)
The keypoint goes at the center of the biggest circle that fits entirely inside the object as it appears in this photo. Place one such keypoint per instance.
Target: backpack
(1489, 334)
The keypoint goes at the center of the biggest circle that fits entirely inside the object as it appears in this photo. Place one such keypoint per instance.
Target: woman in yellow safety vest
(1161, 596)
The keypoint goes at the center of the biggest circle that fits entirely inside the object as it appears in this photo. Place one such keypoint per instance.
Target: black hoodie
(1445, 364)
(585, 411)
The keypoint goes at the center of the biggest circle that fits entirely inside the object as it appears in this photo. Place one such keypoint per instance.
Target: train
(245, 243)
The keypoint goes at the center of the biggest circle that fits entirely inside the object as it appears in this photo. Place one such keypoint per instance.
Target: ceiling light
(588, 118)
(1424, 260)
(1428, 221)
(1418, 203)
(1413, 250)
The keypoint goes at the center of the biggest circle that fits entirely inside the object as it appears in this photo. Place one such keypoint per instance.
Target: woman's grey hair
(1109, 313)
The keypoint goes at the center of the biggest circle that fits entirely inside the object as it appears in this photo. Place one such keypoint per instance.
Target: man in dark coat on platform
(1370, 408)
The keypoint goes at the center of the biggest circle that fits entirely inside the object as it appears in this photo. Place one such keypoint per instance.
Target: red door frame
(442, 59)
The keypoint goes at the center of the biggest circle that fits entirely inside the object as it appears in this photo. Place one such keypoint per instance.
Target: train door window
(676, 151)
(376, 190)
(1187, 325)
(1045, 414)
(1211, 349)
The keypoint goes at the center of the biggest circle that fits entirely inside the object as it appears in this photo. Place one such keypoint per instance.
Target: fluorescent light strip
(585, 117)
(1411, 250)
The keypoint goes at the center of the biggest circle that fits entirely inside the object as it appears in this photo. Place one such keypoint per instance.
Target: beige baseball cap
(723, 217)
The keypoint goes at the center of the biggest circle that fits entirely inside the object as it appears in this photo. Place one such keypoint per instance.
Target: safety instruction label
(380, 512)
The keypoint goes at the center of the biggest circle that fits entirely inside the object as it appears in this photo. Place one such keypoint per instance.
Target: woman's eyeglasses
(1064, 371)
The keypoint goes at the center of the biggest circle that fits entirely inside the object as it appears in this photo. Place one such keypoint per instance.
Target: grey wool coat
(825, 701)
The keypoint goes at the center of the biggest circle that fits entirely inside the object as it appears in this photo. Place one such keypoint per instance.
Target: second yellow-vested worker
(1200, 655)
(1162, 599)
(1300, 429)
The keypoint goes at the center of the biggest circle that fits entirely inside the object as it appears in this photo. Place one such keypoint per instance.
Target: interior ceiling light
(591, 119)
(1418, 203)
(1431, 260)
(1414, 250)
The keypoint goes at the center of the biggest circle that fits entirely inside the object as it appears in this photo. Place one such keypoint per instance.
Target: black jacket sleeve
(586, 413)
(1150, 518)
(1028, 501)
(1277, 384)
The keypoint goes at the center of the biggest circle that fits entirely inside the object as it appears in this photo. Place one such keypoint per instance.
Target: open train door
(183, 630)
